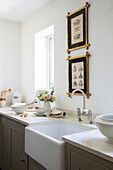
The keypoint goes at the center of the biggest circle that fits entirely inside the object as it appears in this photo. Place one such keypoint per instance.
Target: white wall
(101, 60)
(10, 55)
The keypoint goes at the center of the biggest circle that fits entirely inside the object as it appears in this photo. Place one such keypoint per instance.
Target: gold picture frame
(77, 29)
(78, 74)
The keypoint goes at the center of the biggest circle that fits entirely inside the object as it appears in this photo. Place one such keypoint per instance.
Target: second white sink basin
(43, 142)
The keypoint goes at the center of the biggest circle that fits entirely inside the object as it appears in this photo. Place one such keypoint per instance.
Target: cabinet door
(33, 165)
(79, 162)
(17, 159)
(3, 143)
(78, 159)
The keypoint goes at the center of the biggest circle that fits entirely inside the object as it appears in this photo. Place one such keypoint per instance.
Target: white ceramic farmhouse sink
(43, 142)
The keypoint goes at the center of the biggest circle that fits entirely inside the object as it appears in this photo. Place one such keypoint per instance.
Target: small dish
(38, 114)
(19, 104)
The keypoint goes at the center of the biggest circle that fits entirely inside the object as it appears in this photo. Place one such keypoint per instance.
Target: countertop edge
(15, 119)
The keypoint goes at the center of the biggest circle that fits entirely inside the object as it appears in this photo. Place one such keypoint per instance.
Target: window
(50, 59)
(44, 58)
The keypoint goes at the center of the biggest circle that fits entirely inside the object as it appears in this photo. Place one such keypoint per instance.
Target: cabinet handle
(22, 160)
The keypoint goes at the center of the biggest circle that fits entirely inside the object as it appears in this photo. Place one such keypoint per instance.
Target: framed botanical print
(77, 29)
(78, 74)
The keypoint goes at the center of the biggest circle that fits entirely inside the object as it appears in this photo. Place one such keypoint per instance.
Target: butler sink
(43, 142)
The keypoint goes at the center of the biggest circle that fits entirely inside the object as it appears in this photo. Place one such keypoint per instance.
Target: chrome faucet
(84, 112)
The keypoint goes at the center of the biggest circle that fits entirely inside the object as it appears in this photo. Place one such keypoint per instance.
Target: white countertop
(91, 141)
(31, 118)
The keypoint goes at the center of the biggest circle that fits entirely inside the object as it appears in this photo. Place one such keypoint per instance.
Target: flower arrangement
(47, 96)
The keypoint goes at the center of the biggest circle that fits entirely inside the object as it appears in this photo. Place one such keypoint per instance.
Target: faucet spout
(82, 94)
(85, 112)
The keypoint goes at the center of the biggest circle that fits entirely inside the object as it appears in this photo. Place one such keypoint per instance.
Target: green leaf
(46, 92)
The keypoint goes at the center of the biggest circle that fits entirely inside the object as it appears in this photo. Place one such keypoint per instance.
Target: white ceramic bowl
(108, 118)
(41, 110)
(106, 128)
(19, 109)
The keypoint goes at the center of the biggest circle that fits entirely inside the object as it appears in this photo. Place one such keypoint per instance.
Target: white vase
(46, 105)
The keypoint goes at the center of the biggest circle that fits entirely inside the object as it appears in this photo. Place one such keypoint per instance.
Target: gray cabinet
(3, 143)
(12, 136)
(0, 146)
(33, 165)
(77, 159)
(17, 159)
